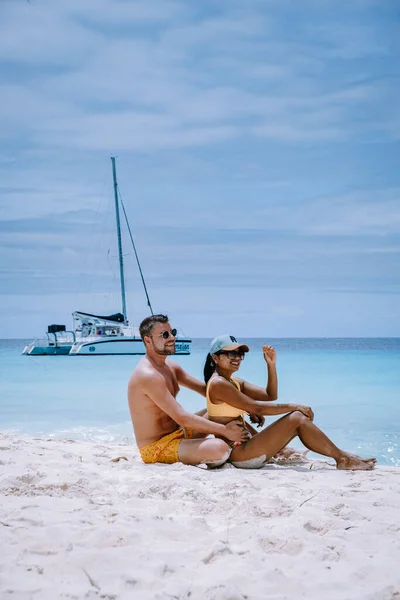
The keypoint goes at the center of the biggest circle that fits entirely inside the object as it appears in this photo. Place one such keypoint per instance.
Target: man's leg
(210, 451)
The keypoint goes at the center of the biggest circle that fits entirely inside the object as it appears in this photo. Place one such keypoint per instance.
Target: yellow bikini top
(223, 409)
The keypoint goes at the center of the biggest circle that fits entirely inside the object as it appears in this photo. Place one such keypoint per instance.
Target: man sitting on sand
(164, 431)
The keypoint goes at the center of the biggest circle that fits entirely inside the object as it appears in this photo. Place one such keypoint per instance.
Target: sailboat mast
(121, 260)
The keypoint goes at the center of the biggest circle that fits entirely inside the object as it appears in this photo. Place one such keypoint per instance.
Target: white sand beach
(76, 525)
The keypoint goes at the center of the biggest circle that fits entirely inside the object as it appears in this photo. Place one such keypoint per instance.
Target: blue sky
(258, 147)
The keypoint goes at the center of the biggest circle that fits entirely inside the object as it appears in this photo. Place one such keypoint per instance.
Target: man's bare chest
(170, 381)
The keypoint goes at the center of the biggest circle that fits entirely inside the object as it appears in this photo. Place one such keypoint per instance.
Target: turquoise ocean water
(353, 386)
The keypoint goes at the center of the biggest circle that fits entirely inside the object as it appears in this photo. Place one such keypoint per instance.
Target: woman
(231, 398)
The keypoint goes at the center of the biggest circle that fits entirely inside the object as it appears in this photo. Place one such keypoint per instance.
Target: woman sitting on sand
(231, 398)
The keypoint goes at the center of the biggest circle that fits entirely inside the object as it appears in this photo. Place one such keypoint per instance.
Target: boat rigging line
(136, 254)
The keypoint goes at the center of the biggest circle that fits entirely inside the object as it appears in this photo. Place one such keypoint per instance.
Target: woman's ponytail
(209, 368)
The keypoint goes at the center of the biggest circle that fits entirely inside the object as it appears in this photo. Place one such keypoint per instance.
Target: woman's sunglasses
(166, 334)
(231, 354)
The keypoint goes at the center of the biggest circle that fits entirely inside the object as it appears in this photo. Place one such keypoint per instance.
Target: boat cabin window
(108, 331)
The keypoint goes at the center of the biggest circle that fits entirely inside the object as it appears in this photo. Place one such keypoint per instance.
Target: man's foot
(350, 462)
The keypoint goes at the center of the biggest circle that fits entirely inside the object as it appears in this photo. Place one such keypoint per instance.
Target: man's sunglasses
(231, 354)
(166, 334)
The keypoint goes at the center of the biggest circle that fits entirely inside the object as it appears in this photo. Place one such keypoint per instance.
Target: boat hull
(33, 350)
(120, 346)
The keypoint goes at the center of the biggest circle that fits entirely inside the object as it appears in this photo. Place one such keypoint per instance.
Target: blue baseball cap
(226, 342)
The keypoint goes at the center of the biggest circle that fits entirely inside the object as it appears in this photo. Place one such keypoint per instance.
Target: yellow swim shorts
(165, 450)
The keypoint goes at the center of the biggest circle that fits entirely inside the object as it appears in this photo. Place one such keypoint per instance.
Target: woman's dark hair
(209, 368)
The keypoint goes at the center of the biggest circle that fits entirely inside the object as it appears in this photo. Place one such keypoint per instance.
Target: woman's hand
(258, 420)
(269, 355)
(236, 432)
(306, 410)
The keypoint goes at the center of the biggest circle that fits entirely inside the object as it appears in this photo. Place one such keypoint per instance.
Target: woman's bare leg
(272, 439)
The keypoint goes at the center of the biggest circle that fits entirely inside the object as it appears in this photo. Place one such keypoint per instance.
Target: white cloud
(364, 212)
(42, 34)
(135, 91)
(238, 125)
(38, 193)
(348, 41)
(126, 12)
(375, 212)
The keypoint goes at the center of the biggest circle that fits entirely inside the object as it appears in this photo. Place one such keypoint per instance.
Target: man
(164, 431)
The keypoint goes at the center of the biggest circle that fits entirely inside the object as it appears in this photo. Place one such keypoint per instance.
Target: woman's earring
(212, 364)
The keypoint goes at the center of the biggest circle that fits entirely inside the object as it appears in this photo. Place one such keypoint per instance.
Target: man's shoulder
(144, 372)
(173, 366)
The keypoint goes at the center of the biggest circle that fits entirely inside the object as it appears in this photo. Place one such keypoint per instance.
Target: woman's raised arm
(270, 392)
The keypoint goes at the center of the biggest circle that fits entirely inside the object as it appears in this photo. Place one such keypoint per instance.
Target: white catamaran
(101, 335)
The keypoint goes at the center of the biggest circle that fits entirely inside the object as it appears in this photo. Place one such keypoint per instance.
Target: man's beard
(166, 351)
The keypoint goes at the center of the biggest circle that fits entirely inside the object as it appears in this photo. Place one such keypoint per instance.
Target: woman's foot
(351, 462)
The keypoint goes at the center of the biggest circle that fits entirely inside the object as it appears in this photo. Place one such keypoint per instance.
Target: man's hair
(146, 326)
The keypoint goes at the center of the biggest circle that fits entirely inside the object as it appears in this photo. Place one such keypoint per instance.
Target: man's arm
(202, 413)
(155, 388)
(187, 380)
